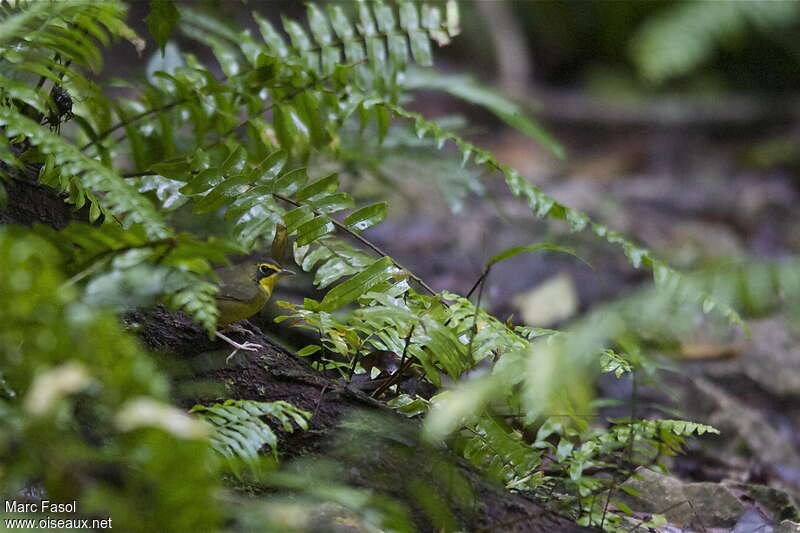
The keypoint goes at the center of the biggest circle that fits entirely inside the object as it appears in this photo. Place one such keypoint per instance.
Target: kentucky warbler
(242, 294)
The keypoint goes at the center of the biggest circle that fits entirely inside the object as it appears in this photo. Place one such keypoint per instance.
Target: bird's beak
(286, 272)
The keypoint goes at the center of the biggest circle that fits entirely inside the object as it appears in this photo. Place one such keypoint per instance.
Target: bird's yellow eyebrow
(270, 266)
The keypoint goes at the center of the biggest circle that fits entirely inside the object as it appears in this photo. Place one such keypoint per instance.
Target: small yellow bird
(242, 295)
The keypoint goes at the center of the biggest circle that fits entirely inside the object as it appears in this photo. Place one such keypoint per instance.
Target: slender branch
(395, 377)
(138, 174)
(608, 502)
(363, 241)
(130, 120)
(477, 310)
(478, 281)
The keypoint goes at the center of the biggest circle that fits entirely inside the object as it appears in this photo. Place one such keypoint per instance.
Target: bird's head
(268, 273)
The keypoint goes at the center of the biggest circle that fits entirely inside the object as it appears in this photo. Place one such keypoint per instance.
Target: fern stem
(363, 241)
(131, 120)
(480, 279)
(405, 362)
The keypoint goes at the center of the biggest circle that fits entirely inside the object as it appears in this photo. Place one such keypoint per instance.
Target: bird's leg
(238, 328)
(248, 346)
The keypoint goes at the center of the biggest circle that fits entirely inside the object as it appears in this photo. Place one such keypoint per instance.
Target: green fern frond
(240, 430)
(124, 268)
(331, 259)
(378, 33)
(502, 453)
(31, 30)
(189, 292)
(686, 34)
(469, 90)
(545, 206)
(107, 191)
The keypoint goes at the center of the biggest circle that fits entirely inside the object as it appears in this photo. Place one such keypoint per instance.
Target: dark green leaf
(223, 193)
(162, 20)
(421, 47)
(235, 162)
(253, 229)
(290, 183)
(325, 185)
(367, 23)
(384, 17)
(285, 126)
(384, 121)
(203, 181)
(176, 169)
(319, 25)
(398, 50)
(330, 58)
(297, 217)
(409, 18)
(366, 217)
(332, 203)
(346, 292)
(312, 230)
(271, 166)
(298, 35)
(341, 24)
(273, 39)
(309, 350)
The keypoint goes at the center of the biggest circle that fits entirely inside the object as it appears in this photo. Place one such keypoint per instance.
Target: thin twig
(478, 281)
(400, 369)
(319, 402)
(130, 120)
(482, 284)
(608, 502)
(138, 174)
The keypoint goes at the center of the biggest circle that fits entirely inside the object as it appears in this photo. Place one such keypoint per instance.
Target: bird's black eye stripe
(267, 269)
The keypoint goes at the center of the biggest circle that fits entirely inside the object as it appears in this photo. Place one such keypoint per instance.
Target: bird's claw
(247, 346)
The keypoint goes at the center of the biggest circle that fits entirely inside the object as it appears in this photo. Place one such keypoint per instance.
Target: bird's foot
(247, 346)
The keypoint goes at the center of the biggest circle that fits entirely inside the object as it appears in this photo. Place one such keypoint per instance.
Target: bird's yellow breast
(267, 284)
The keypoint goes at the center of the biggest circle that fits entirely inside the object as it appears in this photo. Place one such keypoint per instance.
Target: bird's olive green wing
(237, 283)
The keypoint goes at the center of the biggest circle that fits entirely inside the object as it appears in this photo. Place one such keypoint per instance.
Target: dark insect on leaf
(62, 100)
(62, 106)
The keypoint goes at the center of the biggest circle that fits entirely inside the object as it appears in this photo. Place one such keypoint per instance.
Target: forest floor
(699, 199)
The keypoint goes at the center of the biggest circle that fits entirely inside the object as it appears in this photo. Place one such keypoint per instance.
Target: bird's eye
(264, 270)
